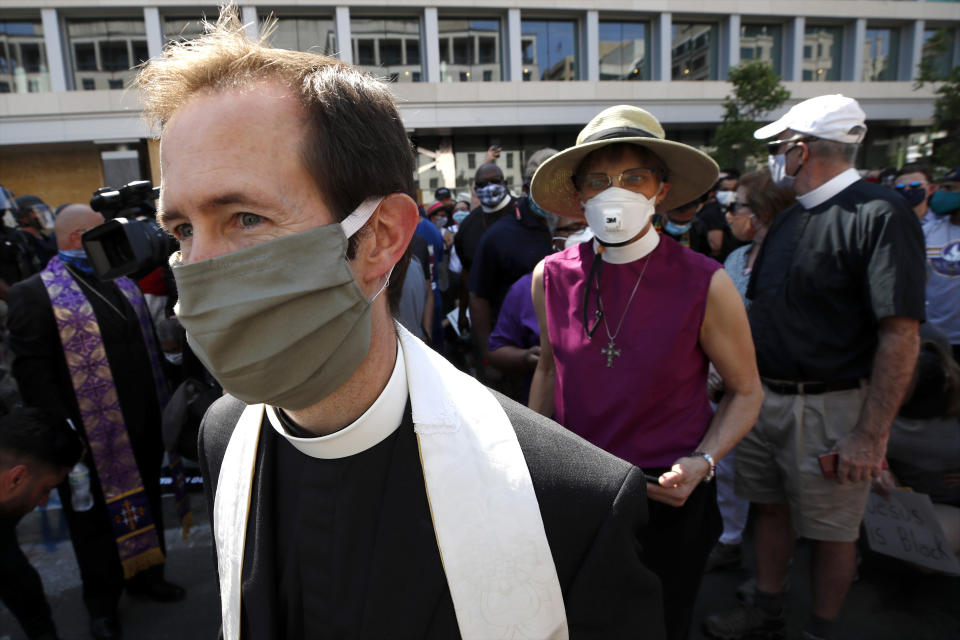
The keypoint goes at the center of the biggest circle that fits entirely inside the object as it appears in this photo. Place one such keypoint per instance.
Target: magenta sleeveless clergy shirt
(650, 406)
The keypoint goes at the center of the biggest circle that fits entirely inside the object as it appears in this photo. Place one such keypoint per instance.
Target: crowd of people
(436, 415)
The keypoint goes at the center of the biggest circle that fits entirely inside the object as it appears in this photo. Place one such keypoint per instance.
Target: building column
(344, 37)
(53, 43)
(514, 46)
(794, 36)
(729, 45)
(854, 39)
(911, 50)
(431, 40)
(591, 45)
(661, 52)
(151, 22)
(251, 25)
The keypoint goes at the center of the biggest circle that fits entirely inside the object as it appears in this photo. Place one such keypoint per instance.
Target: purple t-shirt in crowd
(517, 323)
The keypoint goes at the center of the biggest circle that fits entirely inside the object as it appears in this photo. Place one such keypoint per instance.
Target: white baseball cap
(832, 117)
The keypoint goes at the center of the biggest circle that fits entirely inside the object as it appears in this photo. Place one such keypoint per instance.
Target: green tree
(935, 68)
(756, 92)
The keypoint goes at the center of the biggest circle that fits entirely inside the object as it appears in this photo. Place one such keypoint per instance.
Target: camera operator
(37, 450)
(86, 347)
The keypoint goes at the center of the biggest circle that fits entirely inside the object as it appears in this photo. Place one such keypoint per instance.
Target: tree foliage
(946, 108)
(757, 91)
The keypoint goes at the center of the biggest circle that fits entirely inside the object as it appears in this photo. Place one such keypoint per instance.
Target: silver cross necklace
(611, 351)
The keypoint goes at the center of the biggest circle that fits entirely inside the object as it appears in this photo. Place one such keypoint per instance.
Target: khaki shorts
(777, 462)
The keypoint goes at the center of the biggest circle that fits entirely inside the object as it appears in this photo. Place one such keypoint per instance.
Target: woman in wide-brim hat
(628, 326)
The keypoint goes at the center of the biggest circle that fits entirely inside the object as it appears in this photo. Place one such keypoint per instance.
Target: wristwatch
(713, 465)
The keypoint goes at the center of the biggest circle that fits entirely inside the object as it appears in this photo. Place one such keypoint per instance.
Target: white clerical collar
(828, 189)
(373, 427)
(630, 252)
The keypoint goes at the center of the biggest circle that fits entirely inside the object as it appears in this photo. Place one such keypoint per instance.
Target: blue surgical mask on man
(675, 229)
(944, 202)
(76, 258)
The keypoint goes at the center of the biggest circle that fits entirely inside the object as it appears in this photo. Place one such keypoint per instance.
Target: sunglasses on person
(480, 184)
(737, 206)
(916, 184)
(773, 147)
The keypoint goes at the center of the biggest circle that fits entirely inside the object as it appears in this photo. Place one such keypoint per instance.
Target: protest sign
(904, 526)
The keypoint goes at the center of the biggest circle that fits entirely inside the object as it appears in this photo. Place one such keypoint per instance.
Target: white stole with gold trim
(494, 549)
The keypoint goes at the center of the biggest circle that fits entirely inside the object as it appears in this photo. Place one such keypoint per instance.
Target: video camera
(130, 242)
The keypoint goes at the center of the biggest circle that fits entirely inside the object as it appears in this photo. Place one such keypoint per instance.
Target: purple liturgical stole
(127, 502)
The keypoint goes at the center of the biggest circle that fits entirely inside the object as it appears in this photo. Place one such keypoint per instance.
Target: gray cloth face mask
(283, 322)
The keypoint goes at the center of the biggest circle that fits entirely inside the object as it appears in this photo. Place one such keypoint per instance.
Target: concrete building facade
(524, 75)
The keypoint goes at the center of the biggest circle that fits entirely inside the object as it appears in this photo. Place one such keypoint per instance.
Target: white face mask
(616, 216)
(778, 171)
(725, 197)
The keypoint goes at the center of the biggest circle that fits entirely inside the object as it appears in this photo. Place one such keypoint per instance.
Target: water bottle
(80, 497)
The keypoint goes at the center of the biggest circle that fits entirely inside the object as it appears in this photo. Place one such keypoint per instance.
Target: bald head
(70, 224)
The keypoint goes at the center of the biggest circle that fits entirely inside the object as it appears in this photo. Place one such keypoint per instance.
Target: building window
(23, 57)
(762, 42)
(938, 47)
(469, 50)
(824, 43)
(388, 47)
(105, 51)
(880, 55)
(315, 34)
(624, 51)
(549, 49)
(180, 28)
(695, 48)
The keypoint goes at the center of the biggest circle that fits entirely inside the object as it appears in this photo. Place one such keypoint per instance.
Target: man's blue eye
(249, 219)
(182, 231)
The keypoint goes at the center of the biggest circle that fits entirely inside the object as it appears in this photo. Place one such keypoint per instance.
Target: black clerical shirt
(326, 526)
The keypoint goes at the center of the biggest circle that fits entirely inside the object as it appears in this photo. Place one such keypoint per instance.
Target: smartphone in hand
(828, 464)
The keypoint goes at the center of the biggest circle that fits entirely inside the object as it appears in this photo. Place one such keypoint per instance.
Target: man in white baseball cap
(836, 298)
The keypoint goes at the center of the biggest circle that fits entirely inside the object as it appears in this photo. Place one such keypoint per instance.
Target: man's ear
(12, 480)
(389, 233)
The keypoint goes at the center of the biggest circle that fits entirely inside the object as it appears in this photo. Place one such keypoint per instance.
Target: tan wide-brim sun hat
(690, 172)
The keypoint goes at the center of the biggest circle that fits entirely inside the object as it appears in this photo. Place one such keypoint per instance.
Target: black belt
(808, 388)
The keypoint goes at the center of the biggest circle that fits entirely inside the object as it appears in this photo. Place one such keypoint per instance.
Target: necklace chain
(626, 308)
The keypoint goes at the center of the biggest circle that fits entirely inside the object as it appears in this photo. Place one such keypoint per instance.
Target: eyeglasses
(637, 179)
(736, 206)
(916, 184)
(480, 184)
(773, 147)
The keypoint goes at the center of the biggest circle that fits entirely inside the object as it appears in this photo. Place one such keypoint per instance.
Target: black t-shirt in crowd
(825, 277)
(509, 250)
(473, 228)
(694, 238)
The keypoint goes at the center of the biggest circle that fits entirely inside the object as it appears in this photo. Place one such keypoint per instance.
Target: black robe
(592, 505)
(40, 369)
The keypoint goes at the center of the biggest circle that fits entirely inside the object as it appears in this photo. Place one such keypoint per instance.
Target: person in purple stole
(629, 324)
(86, 349)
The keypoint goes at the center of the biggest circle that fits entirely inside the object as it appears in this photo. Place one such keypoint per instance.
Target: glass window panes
(469, 50)
(938, 47)
(695, 51)
(180, 27)
(822, 46)
(388, 47)
(761, 42)
(549, 50)
(624, 51)
(23, 57)
(316, 34)
(880, 49)
(104, 51)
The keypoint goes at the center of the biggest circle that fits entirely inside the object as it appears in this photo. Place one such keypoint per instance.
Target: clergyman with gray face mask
(359, 485)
